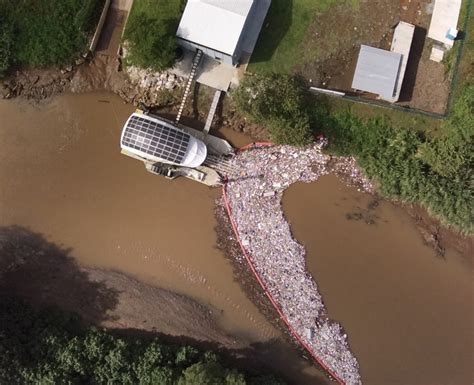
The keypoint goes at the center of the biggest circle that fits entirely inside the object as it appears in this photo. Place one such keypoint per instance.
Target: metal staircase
(187, 90)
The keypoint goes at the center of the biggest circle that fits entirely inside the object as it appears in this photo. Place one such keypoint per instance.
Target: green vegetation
(151, 30)
(276, 101)
(414, 166)
(415, 159)
(6, 43)
(39, 33)
(51, 347)
(450, 57)
(435, 171)
(278, 46)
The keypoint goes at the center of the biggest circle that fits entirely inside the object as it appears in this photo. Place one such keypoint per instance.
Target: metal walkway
(196, 60)
(212, 111)
(222, 165)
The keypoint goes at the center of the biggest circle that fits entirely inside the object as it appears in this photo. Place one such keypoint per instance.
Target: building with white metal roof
(216, 27)
(377, 72)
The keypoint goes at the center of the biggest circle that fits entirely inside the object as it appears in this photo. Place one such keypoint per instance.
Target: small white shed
(444, 21)
(382, 72)
(377, 72)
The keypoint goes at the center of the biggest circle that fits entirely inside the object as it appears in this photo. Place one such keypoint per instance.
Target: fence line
(417, 111)
(460, 53)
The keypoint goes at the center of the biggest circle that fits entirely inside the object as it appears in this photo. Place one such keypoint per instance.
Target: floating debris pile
(254, 197)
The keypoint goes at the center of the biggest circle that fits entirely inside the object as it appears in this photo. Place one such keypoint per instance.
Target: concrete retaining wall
(100, 25)
(122, 5)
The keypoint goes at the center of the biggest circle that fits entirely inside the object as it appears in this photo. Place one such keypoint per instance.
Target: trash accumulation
(254, 194)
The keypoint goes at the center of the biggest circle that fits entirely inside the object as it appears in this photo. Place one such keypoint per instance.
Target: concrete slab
(445, 16)
(437, 54)
(183, 67)
(210, 72)
(215, 74)
(122, 5)
(401, 43)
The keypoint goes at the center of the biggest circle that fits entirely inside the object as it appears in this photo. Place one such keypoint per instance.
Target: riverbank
(118, 302)
(391, 293)
(101, 297)
(79, 193)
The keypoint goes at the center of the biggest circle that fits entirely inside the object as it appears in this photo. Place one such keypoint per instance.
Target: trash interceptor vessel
(172, 151)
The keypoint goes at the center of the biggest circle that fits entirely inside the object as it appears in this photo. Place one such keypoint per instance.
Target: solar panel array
(155, 138)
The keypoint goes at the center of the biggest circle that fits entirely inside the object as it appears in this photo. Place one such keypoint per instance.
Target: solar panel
(155, 138)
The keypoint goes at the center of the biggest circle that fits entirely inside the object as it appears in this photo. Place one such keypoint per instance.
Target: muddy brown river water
(408, 314)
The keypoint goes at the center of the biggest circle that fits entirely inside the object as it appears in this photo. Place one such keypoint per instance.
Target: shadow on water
(279, 14)
(44, 274)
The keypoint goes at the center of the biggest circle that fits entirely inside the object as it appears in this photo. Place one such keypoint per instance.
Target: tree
(203, 373)
(52, 347)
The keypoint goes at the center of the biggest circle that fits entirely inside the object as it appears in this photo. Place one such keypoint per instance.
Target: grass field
(150, 33)
(41, 33)
(278, 47)
(159, 9)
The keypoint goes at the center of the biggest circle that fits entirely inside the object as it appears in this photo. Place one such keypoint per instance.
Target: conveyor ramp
(212, 111)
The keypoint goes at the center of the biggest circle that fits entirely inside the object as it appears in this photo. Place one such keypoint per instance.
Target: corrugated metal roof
(445, 16)
(216, 24)
(377, 71)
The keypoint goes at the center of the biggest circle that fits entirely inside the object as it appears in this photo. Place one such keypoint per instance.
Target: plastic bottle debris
(278, 258)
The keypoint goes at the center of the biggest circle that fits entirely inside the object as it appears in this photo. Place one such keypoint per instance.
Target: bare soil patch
(330, 51)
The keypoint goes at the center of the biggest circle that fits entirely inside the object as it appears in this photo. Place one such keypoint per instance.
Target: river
(407, 313)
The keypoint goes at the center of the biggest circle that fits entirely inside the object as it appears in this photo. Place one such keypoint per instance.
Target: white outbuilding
(444, 21)
(216, 27)
(381, 72)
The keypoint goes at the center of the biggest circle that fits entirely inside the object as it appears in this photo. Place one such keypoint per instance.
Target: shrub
(433, 171)
(279, 102)
(6, 44)
(152, 42)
